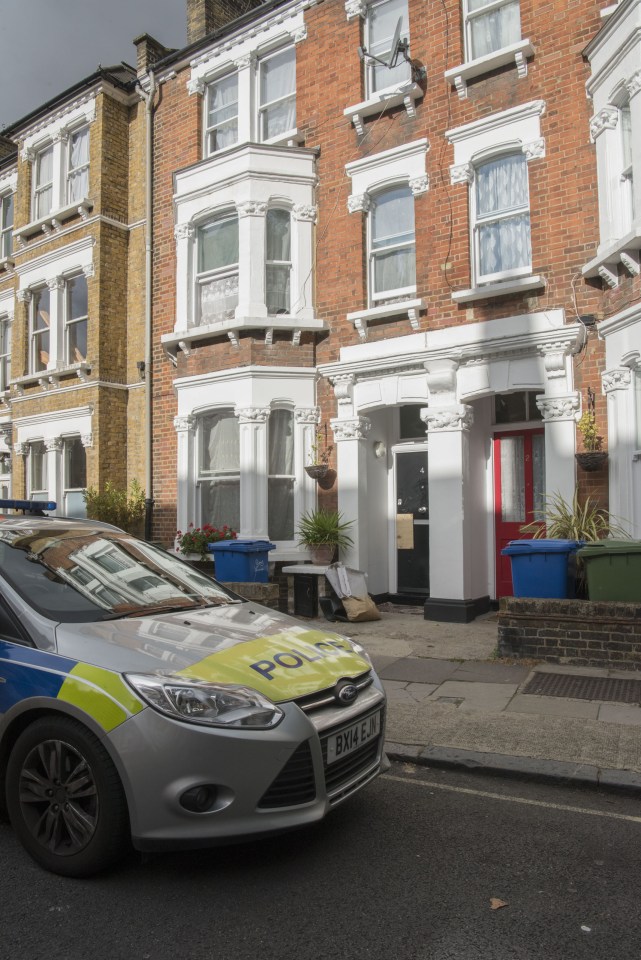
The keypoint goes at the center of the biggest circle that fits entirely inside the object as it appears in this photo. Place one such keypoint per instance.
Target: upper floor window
(278, 245)
(501, 215)
(381, 21)
(6, 225)
(628, 199)
(222, 113)
(392, 248)
(277, 94)
(281, 475)
(78, 165)
(217, 272)
(490, 25)
(5, 353)
(43, 183)
(76, 319)
(39, 330)
(219, 469)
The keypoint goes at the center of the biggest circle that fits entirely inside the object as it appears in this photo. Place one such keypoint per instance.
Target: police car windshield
(74, 574)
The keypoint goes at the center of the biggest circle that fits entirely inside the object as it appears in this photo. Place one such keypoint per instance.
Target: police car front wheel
(65, 799)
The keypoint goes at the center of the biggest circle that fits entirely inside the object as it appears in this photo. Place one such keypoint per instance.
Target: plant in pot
(318, 458)
(194, 540)
(592, 457)
(323, 532)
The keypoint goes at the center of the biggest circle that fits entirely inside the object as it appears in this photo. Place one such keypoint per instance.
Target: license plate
(353, 737)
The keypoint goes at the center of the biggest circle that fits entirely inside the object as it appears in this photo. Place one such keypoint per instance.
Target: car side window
(9, 628)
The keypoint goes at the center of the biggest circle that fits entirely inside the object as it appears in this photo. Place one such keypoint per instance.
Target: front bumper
(263, 781)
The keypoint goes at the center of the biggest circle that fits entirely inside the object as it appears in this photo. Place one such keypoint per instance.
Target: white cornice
(37, 264)
(248, 373)
(620, 321)
(47, 417)
(535, 108)
(383, 159)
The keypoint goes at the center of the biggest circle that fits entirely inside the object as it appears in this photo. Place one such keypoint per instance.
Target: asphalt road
(406, 871)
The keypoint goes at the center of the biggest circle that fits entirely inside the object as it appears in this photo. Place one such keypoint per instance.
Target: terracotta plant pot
(591, 460)
(322, 554)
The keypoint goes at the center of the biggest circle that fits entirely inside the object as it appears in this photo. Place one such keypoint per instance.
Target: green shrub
(117, 506)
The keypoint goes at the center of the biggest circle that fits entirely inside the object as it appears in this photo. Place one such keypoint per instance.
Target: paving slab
(553, 706)
(483, 672)
(492, 697)
(620, 713)
(416, 670)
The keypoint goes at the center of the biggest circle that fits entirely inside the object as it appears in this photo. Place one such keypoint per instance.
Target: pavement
(453, 703)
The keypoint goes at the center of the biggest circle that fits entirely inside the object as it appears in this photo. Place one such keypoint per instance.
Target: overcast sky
(47, 46)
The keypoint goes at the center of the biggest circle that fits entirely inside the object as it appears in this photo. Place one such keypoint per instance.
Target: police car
(142, 702)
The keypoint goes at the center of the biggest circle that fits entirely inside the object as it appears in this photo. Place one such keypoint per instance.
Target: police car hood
(236, 643)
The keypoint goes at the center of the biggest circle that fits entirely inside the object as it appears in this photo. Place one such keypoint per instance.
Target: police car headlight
(215, 704)
(361, 651)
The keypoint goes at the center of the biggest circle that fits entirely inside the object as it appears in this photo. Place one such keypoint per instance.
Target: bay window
(281, 475)
(217, 272)
(39, 330)
(490, 25)
(219, 469)
(392, 246)
(76, 318)
(277, 94)
(278, 271)
(380, 27)
(221, 123)
(6, 225)
(501, 218)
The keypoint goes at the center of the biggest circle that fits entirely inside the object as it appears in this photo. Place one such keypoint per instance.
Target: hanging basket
(317, 471)
(591, 460)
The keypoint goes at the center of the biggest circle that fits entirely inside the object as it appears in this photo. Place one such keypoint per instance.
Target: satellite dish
(394, 48)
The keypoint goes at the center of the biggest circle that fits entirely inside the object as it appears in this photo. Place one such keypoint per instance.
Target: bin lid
(242, 546)
(599, 548)
(516, 547)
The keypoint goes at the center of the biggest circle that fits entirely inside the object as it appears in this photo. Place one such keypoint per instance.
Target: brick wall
(579, 632)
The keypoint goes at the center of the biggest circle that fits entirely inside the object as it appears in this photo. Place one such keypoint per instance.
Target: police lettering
(292, 659)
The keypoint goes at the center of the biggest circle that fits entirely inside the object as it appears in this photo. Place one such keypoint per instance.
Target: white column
(53, 446)
(246, 72)
(350, 435)
(448, 479)
(306, 420)
(559, 416)
(251, 266)
(604, 121)
(185, 473)
(186, 312)
(56, 324)
(303, 261)
(618, 386)
(253, 472)
(59, 197)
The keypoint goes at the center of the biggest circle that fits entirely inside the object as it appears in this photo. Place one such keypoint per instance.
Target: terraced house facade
(72, 293)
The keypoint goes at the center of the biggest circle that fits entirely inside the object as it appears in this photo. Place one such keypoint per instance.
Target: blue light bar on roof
(28, 506)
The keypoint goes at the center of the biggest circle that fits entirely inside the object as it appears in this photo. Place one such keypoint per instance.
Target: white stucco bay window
(244, 437)
(58, 151)
(615, 128)
(55, 290)
(491, 158)
(244, 245)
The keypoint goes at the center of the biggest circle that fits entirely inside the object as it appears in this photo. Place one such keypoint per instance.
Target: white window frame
(71, 171)
(66, 488)
(275, 408)
(371, 90)
(36, 365)
(375, 297)
(225, 274)
(5, 352)
(5, 474)
(41, 187)
(206, 477)
(69, 321)
(210, 129)
(471, 15)
(34, 492)
(477, 222)
(262, 108)
(6, 230)
(280, 264)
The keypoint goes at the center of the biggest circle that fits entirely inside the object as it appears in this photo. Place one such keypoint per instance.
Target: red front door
(519, 490)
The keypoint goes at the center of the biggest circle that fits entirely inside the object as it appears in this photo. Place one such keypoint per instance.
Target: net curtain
(504, 241)
(493, 30)
(220, 469)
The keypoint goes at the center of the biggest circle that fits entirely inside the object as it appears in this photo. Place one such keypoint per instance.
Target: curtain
(217, 249)
(78, 166)
(393, 226)
(278, 93)
(381, 21)
(512, 480)
(501, 186)
(6, 226)
(220, 470)
(280, 488)
(40, 329)
(494, 30)
(538, 475)
(223, 112)
(38, 471)
(75, 464)
(278, 248)
(77, 310)
(44, 178)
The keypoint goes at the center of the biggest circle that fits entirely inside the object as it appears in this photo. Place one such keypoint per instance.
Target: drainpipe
(149, 103)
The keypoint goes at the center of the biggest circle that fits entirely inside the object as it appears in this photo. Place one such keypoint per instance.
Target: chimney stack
(148, 52)
(206, 16)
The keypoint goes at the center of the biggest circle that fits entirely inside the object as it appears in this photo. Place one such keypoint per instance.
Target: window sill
(516, 53)
(6, 264)
(50, 379)
(503, 288)
(625, 251)
(408, 308)
(185, 339)
(405, 93)
(53, 221)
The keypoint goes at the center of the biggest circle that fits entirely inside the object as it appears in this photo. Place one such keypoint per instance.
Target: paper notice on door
(405, 531)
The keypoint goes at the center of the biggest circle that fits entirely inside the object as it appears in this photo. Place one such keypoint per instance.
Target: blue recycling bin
(543, 568)
(241, 561)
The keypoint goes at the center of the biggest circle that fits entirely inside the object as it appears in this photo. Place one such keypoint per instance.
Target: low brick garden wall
(579, 632)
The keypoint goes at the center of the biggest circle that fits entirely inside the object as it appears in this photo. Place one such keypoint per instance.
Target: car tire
(65, 799)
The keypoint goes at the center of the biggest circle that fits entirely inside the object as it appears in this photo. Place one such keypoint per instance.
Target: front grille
(314, 701)
(355, 765)
(295, 784)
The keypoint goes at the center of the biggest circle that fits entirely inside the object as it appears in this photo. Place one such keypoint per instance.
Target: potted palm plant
(323, 532)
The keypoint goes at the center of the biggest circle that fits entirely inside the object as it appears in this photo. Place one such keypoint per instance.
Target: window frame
(225, 272)
(69, 321)
(469, 16)
(279, 408)
(66, 489)
(375, 298)
(476, 221)
(5, 351)
(35, 492)
(202, 476)
(7, 201)
(208, 129)
(39, 188)
(279, 264)
(371, 89)
(70, 171)
(628, 200)
(262, 108)
(36, 334)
